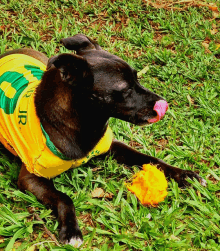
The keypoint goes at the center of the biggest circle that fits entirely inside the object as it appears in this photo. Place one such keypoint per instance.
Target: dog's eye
(64, 75)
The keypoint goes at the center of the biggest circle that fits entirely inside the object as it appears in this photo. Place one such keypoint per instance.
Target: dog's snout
(160, 108)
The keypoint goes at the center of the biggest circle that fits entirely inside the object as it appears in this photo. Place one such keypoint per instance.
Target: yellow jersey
(20, 129)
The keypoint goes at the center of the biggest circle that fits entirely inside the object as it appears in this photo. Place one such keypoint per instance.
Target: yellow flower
(149, 185)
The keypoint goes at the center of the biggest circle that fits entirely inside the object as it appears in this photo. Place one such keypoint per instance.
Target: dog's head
(111, 83)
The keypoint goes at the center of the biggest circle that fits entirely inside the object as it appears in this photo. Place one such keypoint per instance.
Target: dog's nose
(160, 107)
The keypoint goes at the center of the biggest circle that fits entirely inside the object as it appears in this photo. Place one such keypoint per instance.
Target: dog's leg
(128, 156)
(63, 206)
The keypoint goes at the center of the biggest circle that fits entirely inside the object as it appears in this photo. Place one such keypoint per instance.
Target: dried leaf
(173, 237)
(205, 44)
(214, 31)
(96, 169)
(109, 195)
(158, 6)
(175, 102)
(215, 14)
(143, 71)
(17, 244)
(32, 248)
(98, 193)
(190, 99)
(214, 26)
(213, 8)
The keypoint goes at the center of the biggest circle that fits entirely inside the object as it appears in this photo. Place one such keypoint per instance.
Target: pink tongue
(160, 107)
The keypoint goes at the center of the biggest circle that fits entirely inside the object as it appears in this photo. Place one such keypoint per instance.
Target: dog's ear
(73, 69)
(80, 43)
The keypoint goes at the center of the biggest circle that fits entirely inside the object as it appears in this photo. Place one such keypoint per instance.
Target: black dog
(74, 100)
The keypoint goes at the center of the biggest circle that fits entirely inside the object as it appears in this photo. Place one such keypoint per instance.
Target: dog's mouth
(160, 108)
(144, 116)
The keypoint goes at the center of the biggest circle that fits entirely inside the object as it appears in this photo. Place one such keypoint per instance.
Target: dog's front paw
(71, 236)
(76, 242)
(181, 177)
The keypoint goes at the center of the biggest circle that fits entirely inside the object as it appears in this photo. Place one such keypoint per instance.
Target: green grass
(181, 70)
